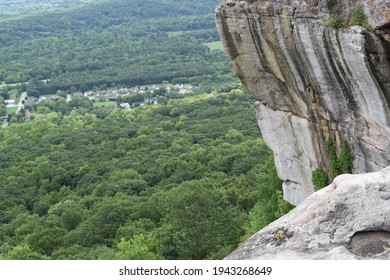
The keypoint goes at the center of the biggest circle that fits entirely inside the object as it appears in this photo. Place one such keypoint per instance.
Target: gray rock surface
(349, 219)
(313, 83)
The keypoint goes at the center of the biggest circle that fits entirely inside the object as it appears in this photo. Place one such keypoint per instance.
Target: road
(11, 85)
(20, 105)
(23, 96)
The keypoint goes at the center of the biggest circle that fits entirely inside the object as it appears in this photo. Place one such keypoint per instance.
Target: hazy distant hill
(9, 8)
(123, 41)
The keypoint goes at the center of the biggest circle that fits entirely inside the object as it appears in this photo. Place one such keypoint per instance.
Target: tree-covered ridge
(126, 42)
(185, 180)
(17, 8)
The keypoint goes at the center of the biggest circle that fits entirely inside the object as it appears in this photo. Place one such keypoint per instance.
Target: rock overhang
(312, 83)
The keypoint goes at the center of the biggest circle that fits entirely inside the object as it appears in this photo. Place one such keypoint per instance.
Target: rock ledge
(349, 219)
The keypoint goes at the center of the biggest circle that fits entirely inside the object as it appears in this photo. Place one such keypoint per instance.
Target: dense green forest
(127, 42)
(185, 180)
(13, 8)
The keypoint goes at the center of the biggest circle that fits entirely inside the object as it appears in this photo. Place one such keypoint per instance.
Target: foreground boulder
(349, 219)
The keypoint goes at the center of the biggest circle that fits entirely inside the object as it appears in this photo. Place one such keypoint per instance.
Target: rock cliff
(313, 83)
(350, 219)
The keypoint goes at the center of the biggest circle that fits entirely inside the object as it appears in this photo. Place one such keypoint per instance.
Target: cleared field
(105, 104)
(175, 33)
(178, 33)
(11, 110)
(216, 45)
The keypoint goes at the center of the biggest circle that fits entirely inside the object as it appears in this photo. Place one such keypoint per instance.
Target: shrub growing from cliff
(339, 164)
(335, 22)
(333, 159)
(346, 158)
(357, 16)
(342, 163)
(319, 179)
(331, 2)
(339, 18)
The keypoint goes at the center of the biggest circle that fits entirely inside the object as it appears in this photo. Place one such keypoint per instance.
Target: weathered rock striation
(349, 219)
(313, 83)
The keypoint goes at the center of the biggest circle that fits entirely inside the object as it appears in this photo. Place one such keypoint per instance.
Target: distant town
(111, 94)
(121, 97)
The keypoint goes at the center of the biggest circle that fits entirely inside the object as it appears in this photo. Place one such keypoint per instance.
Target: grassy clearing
(179, 33)
(11, 110)
(175, 33)
(216, 45)
(105, 104)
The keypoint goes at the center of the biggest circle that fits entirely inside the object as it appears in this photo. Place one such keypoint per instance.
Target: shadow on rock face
(369, 243)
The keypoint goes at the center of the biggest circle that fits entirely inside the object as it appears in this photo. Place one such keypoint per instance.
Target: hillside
(13, 8)
(124, 42)
(107, 183)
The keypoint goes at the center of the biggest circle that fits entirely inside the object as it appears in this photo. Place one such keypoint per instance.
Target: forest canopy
(124, 42)
(185, 180)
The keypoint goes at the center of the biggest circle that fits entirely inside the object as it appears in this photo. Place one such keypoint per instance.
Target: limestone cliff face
(312, 82)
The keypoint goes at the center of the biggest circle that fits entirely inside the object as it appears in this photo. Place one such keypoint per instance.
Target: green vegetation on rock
(341, 163)
(357, 16)
(331, 2)
(339, 19)
(319, 179)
